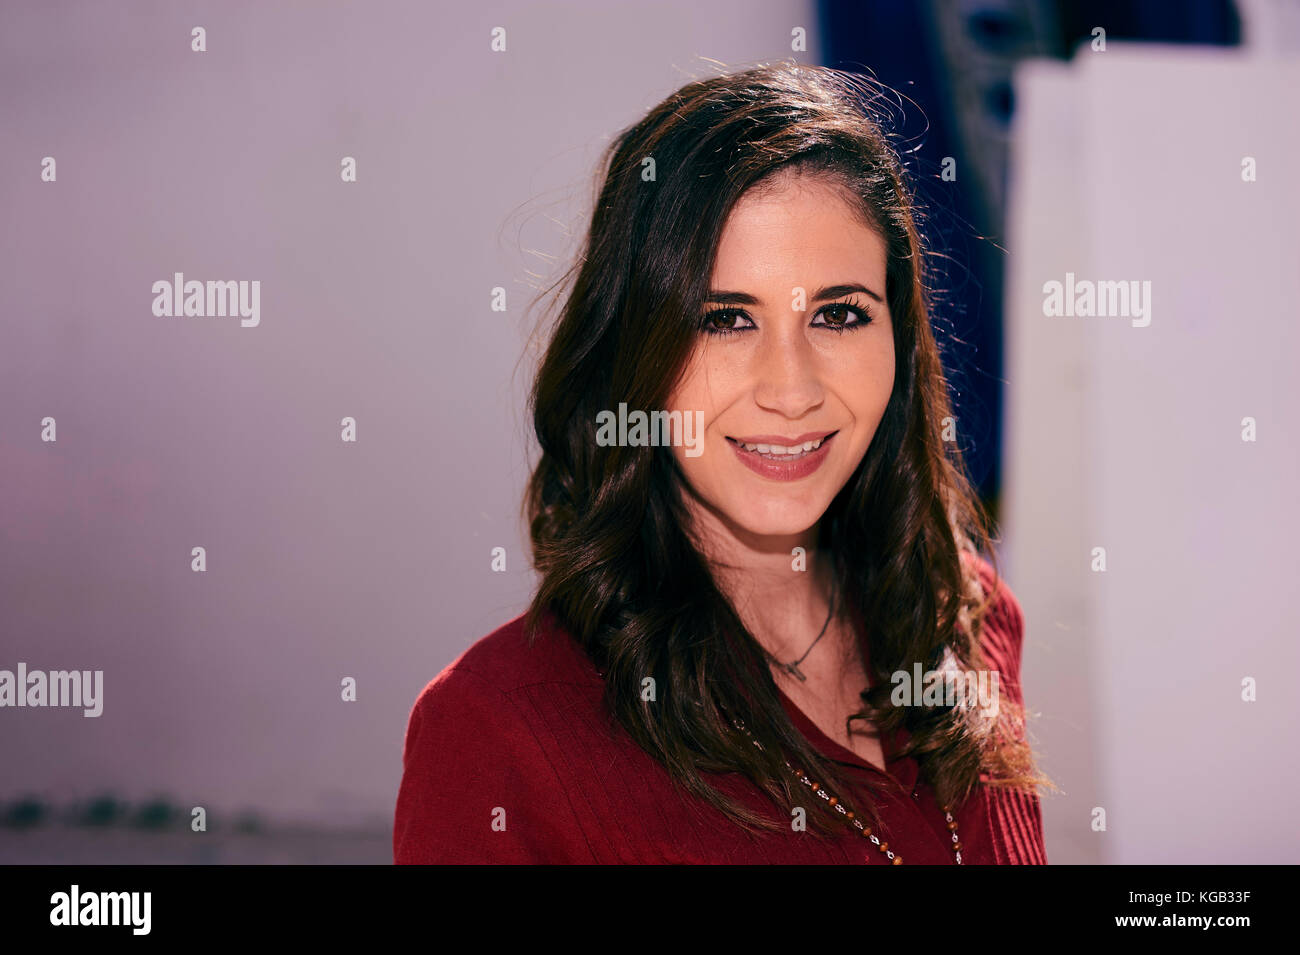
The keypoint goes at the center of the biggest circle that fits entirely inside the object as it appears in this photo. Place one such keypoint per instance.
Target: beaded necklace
(839, 807)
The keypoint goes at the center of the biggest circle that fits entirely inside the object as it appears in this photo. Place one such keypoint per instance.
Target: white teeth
(776, 449)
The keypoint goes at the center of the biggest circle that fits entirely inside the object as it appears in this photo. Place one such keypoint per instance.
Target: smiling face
(775, 371)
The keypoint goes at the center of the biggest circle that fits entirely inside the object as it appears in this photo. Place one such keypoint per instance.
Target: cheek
(864, 380)
(865, 387)
(692, 394)
(703, 384)
(686, 391)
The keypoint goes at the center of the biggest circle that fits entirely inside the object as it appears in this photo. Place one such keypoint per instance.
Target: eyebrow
(821, 295)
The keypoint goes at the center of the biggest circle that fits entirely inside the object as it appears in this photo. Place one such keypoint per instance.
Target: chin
(780, 521)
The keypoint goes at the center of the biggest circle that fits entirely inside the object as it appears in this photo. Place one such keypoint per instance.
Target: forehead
(798, 230)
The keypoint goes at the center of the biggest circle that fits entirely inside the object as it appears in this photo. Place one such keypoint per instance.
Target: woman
(750, 534)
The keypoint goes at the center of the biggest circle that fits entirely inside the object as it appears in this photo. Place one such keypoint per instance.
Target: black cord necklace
(793, 668)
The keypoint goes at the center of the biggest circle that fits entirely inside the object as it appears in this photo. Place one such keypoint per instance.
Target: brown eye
(837, 315)
(725, 321)
(842, 317)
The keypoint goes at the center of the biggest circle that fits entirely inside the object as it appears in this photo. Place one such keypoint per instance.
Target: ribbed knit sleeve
(1015, 816)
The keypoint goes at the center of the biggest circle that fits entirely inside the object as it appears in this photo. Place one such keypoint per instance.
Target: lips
(781, 457)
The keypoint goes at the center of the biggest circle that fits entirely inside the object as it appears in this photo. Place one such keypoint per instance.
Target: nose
(786, 375)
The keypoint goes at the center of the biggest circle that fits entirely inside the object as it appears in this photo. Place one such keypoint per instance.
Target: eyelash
(864, 319)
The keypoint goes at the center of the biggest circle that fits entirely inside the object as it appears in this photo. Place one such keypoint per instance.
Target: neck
(782, 600)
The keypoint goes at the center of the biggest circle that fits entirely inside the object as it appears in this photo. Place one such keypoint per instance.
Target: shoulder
(508, 660)
(478, 782)
(490, 688)
(489, 693)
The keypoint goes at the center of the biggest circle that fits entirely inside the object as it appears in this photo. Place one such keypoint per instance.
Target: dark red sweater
(511, 757)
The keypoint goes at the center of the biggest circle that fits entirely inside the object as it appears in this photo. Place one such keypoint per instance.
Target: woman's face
(789, 357)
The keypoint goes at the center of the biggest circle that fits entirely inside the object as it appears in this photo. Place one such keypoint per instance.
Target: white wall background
(1128, 166)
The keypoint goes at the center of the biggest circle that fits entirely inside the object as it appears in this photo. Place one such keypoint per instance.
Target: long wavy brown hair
(609, 527)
